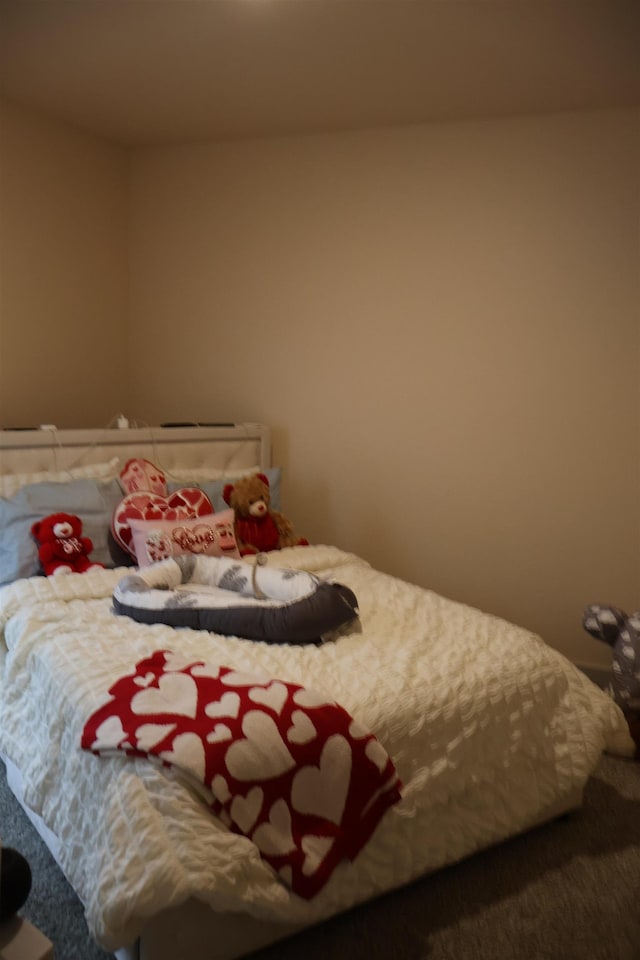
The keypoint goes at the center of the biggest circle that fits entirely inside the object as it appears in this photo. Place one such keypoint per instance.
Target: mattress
(491, 731)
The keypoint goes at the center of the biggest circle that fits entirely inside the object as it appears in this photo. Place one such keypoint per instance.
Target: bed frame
(193, 930)
(228, 447)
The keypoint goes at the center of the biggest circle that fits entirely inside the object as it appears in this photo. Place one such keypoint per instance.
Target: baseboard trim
(599, 675)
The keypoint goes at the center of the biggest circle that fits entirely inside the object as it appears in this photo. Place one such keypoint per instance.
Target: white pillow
(10, 483)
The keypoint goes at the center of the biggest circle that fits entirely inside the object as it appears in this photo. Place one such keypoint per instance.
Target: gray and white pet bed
(236, 598)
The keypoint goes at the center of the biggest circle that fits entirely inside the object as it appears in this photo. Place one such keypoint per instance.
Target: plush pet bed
(236, 598)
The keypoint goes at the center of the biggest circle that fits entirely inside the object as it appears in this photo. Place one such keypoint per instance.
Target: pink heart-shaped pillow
(187, 503)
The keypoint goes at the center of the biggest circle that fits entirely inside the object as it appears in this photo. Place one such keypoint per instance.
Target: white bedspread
(490, 731)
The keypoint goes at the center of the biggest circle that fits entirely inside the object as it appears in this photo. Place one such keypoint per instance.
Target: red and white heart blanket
(285, 766)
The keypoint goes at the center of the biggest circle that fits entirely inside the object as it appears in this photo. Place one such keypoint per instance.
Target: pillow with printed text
(211, 535)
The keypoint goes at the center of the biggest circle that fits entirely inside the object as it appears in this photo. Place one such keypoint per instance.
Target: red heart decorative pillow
(187, 503)
(139, 474)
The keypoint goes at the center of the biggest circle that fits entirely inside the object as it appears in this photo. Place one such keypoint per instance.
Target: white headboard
(227, 447)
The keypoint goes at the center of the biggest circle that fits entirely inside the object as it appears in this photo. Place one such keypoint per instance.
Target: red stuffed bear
(62, 548)
(258, 527)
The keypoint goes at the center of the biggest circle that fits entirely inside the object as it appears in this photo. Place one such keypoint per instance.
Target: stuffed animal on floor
(15, 882)
(622, 633)
(258, 527)
(62, 548)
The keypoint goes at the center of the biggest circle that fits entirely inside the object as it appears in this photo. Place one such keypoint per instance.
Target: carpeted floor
(567, 891)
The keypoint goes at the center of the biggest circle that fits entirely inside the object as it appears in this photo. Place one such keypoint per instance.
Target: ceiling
(166, 71)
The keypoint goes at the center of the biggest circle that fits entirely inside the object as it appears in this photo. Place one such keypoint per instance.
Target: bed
(491, 731)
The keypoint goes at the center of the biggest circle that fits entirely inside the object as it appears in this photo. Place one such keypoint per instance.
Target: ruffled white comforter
(490, 731)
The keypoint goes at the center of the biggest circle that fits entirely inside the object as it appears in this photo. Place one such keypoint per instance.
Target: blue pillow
(214, 488)
(92, 500)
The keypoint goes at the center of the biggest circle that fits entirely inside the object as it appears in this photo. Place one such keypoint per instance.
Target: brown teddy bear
(258, 527)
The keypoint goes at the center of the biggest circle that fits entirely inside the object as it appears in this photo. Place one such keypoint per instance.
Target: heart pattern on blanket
(219, 734)
(287, 767)
(149, 735)
(322, 790)
(204, 670)
(302, 729)
(275, 837)
(245, 810)
(262, 752)
(220, 789)
(108, 733)
(274, 696)
(227, 706)
(187, 751)
(145, 681)
(175, 693)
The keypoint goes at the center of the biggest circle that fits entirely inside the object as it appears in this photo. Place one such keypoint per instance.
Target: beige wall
(63, 273)
(439, 322)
